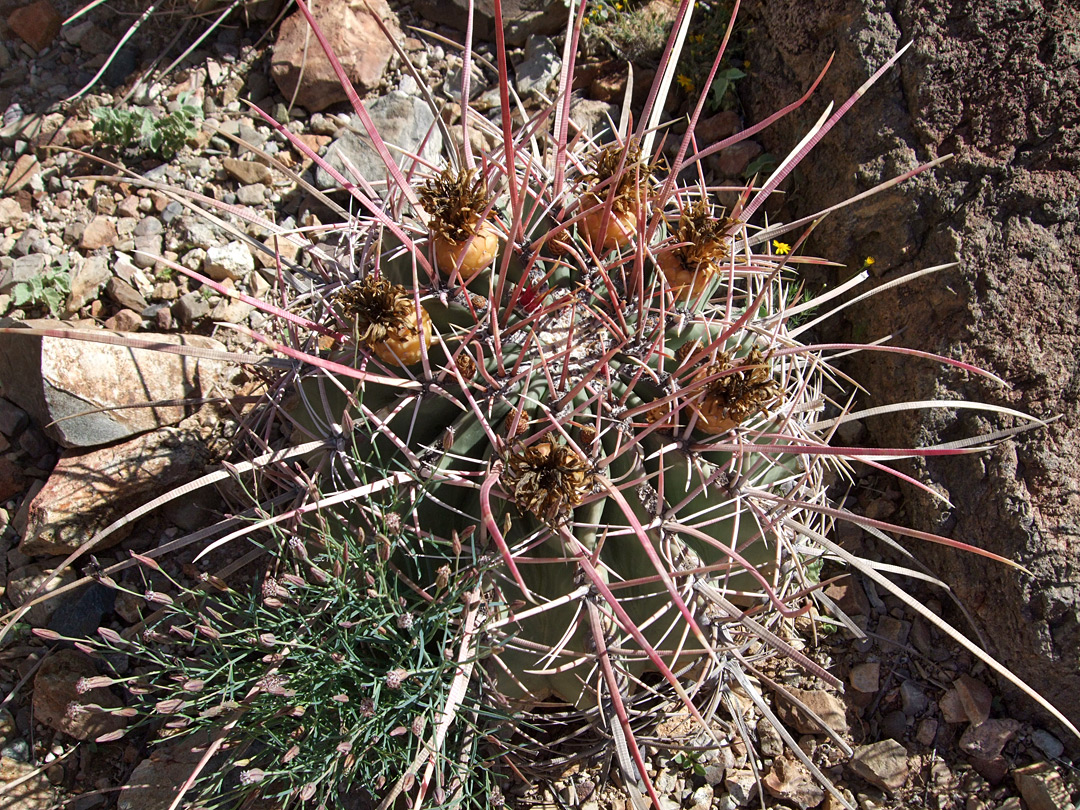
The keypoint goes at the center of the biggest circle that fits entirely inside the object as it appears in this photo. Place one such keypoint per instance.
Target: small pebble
(895, 725)
(17, 749)
(866, 677)
(913, 699)
(1047, 743)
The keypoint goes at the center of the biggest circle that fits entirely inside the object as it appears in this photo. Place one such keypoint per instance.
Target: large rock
(89, 490)
(33, 791)
(998, 87)
(54, 378)
(405, 121)
(62, 699)
(354, 36)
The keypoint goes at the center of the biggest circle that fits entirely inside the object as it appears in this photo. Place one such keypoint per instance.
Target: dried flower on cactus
(731, 399)
(624, 179)
(456, 201)
(466, 365)
(385, 319)
(702, 243)
(624, 188)
(548, 479)
(379, 308)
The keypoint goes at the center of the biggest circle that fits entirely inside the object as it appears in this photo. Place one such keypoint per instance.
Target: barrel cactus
(559, 392)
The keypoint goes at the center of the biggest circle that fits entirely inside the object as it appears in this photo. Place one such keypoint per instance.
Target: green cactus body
(574, 377)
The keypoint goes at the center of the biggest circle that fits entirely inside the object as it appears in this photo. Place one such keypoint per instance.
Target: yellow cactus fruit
(687, 284)
(701, 246)
(475, 252)
(403, 346)
(457, 201)
(622, 225)
(620, 175)
(384, 317)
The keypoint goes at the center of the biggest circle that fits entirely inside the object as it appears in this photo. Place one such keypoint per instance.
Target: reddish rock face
(355, 37)
(63, 703)
(994, 87)
(88, 491)
(37, 24)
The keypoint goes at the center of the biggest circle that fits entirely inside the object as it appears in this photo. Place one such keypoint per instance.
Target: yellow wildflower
(781, 248)
(869, 260)
(685, 82)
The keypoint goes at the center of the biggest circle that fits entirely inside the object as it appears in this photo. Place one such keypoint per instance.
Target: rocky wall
(996, 84)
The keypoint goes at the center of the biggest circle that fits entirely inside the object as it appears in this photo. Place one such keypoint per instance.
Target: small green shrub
(162, 136)
(335, 677)
(49, 290)
(637, 32)
(632, 30)
(763, 164)
(724, 81)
